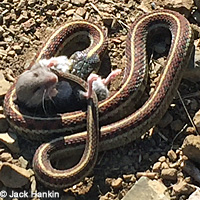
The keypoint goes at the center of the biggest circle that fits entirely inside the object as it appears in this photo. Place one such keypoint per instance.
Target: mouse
(36, 85)
(39, 84)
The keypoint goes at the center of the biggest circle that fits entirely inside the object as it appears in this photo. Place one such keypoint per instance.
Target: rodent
(35, 85)
(39, 84)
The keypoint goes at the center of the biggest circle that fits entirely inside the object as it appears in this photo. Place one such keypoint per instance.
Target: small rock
(80, 11)
(23, 162)
(129, 177)
(13, 176)
(10, 140)
(22, 18)
(182, 187)
(169, 174)
(78, 2)
(11, 53)
(151, 175)
(117, 183)
(17, 49)
(64, 5)
(162, 159)
(104, 198)
(77, 17)
(172, 155)
(191, 147)
(70, 12)
(145, 189)
(3, 52)
(22, 3)
(156, 167)
(28, 25)
(164, 165)
(6, 157)
(31, 3)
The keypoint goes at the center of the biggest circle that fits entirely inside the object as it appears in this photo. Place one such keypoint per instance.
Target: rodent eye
(35, 74)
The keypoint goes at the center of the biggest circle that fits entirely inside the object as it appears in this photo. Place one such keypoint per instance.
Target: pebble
(129, 177)
(162, 159)
(13, 176)
(6, 157)
(80, 11)
(182, 187)
(151, 175)
(172, 155)
(116, 183)
(64, 5)
(3, 52)
(11, 53)
(164, 165)
(156, 167)
(77, 17)
(28, 25)
(70, 12)
(169, 174)
(10, 140)
(191, 147)
(31, 3)
(23, 162)
(78, 2)
(22, 18)
(17, 49)
(145, 189)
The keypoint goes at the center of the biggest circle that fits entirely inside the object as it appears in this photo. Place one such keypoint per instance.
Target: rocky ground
(168, 154)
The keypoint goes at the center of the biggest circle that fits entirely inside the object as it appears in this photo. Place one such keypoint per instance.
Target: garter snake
(121, 131)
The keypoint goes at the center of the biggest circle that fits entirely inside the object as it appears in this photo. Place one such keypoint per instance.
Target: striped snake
(114, 131)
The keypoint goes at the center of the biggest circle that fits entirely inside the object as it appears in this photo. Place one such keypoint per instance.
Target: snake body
(121, 131)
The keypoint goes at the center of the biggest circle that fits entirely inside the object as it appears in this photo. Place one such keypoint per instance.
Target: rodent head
(35, 85)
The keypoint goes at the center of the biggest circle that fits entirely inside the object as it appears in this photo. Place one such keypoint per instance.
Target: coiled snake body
(123, 130)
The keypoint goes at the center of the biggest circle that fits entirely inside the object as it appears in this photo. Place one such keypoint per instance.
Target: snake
(67, 132)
